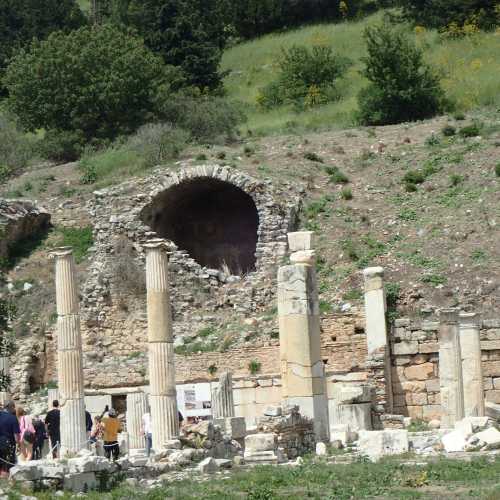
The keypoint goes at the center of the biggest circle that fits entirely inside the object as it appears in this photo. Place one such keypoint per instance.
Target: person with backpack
(112, 426)
(9, 435)
(40, 437)
(53, 424)
(27, 434)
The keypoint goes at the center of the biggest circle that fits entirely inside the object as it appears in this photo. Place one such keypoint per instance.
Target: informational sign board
(194, 400)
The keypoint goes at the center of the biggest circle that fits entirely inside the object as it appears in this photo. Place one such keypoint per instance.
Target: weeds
(434, 279)
(472, 130)
(79, 238)
(336, 176)
(448, 130)
(311, 156)
(254, 366)
(346, 193)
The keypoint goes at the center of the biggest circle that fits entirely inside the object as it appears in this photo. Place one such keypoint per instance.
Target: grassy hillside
(469, 69)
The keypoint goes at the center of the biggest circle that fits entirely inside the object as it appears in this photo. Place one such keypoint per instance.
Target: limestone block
(235, 427)
(350, 393)
(273, 411)
(455, 441)
(267, 395)
(491, 437)
(432, 385)
(357, 416)
(428, 347)
(80, 482)
(28, 471)
(405, 348)
(492, 410)
(419, 372)
(376, 444)
(476, 423)
(321, 449)
(316, 408)
(208, 466)
(95, 404)
(416, 399)
(301, 240)
(303, 257)
(342, 433)
(255, 443)
(88, 464)
(431, 412)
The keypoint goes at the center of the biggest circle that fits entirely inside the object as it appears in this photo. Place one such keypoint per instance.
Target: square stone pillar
(379, 356)
(163, 401)
(69, 354)
(472, 373)
(450, 368)
(302, 368)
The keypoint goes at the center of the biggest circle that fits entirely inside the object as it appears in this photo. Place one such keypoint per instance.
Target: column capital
(469, 319)
(448, 315)
(61, 253)
(300, 240)
(155, 244)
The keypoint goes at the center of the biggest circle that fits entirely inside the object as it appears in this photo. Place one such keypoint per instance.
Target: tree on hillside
(23, 20)
(440, 13)
(93, 83)
(402, 86)
(188, 34)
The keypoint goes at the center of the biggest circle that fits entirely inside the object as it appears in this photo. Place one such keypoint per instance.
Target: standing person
(88, 423)
(147, 431)
(53, 423)
(112, 426)
(40, 436)
(10, 434)
(27, 434)
(96, 434)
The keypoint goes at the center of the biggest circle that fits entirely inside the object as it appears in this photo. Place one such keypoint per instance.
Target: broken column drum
(302, 369)
(450, 368)
(222, 397)
(472, 373)
(137, 406)
(163, 403)
(69, 354)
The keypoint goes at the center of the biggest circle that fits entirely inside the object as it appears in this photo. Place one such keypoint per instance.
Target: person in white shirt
(146, 431)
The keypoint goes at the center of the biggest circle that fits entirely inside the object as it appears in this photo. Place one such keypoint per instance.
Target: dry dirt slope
(440, 244)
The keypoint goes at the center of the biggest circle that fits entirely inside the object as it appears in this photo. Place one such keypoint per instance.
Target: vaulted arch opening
(215, 221)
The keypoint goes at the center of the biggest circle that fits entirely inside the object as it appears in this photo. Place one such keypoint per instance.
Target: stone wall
(415, 366)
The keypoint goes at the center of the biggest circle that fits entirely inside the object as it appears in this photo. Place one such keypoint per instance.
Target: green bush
(497, 169)
(336, 176)
(62, 145)
(472, 130)
(206, 118)
(448, 130)
(402, 86)
(307, 78)
(346, 193)
(414, 177)
(79, 238)
(96, 82)
(16, 149)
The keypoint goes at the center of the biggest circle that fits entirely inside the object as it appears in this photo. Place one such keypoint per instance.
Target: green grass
(389, 478)
(79, 238)
(468, 68)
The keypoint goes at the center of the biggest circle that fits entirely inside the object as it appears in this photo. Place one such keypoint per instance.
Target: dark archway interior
(215, 221)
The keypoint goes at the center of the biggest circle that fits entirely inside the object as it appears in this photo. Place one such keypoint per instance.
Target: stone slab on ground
(376, 444)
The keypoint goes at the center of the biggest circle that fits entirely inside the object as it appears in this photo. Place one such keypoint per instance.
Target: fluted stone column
(52, 395)
(69, 354)
(163, 402)
(450, 368)
(472, 372)
(137, 406)
(302, 369)
(4, 368)
(222, 397)
(379, 359)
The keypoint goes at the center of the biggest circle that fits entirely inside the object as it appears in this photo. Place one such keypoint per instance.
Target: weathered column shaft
(163, 402)
(472, 373)
(222, 397)
(302, 368)
(4, 368)
(450, 368)
(69, 362)
(379, 359)
(137, 406)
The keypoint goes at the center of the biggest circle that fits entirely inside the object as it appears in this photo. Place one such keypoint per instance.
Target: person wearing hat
(112, 426)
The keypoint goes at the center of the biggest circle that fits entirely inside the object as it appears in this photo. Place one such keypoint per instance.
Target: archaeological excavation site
(200, 304)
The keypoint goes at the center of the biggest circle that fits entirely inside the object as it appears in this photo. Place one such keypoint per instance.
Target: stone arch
(216, 221)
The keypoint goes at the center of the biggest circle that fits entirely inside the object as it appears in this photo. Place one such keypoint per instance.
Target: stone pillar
(472, 373)
(302, 369)
(69, 354)
(222, 397)
(52, 395)
(450, 368)
(137, 406)
(163, 402)
(4, 368)
(379, 356)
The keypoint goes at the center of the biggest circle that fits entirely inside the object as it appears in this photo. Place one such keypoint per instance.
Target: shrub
(311, 156)
(448, 130)
(254, 366)
(346, 193)
(306, 78)
(336, 176)
(206, 118)
(470, 130)
(414, 177)
(402, 86)
(95, 82)
(62, 145)
(79, 238)
(497, 169)
(456, 179)
(157, 143)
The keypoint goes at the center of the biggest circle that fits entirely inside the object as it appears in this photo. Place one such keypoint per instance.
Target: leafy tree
(188, 34)
(91, 83)
(439, 13)
(402, 86)
(23, 20)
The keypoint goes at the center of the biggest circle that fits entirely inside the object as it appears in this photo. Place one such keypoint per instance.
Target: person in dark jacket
(10, 435)
(53, 423)
(40, 437)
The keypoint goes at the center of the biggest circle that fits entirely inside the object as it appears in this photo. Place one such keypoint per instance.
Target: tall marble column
(137, 406)
(163, 402)
(69, 354)
(222, 397)
(450, 368)
(4, 368)
(472, 372)
(302, 369)
(379, 359)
